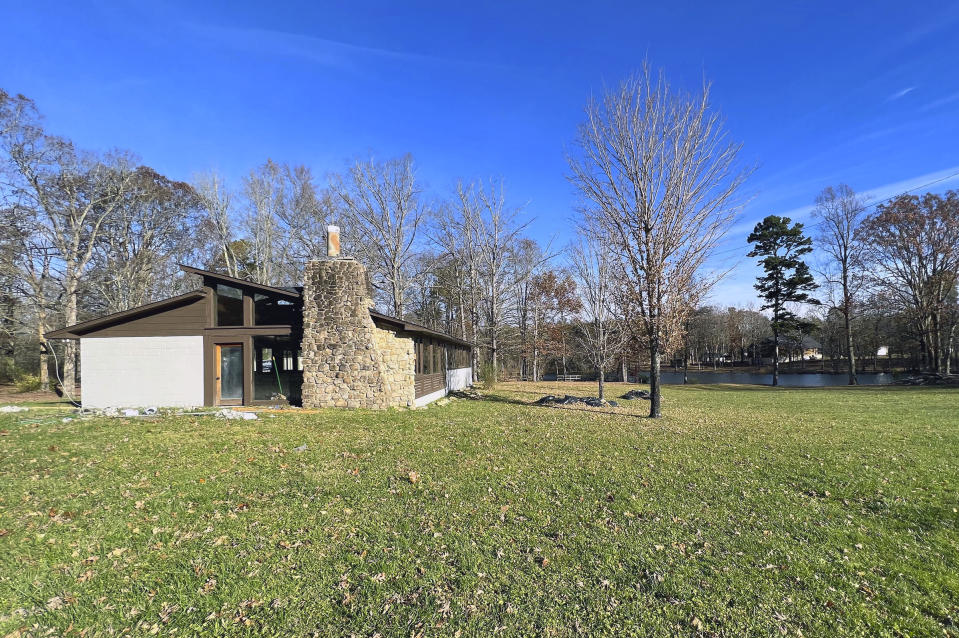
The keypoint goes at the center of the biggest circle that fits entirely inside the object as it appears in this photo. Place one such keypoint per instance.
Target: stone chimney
(347, 360)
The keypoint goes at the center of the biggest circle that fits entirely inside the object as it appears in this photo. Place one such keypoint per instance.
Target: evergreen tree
(787, 278)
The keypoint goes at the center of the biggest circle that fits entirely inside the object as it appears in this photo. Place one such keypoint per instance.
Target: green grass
(746, 511)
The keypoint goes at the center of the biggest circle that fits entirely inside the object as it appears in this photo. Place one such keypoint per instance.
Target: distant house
(235, 342)
(810, 348)
(806, 349)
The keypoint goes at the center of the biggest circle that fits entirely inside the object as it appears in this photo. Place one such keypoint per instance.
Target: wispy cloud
(936, 180)
(737, 288)
(902, 93)
(323, 51)
(940, 102)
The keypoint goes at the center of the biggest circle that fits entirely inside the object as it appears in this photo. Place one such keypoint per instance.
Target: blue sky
(866, 94)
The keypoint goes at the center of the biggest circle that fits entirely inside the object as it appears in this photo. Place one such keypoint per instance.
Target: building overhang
(79, 329)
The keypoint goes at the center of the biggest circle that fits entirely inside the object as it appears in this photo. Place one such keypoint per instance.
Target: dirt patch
(10, 396)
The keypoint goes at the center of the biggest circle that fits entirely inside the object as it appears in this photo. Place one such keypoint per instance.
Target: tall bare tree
(660, 178)
(217, 200)
(914, 255)
(455, 257)
(384, 213)
(502, 265)
(601, 333)
(839, 212)
(71, 194)
(134, 260)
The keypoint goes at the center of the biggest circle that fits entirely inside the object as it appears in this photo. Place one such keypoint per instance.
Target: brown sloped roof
(234, 281)
(78, 329)
(416, 328)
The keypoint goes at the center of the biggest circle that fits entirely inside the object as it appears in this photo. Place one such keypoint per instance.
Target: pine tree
(787, 278)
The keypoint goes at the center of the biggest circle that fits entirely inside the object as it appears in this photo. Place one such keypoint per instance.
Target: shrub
(8, 370)
(28, 383)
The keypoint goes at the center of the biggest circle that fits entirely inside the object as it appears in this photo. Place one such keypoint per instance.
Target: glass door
(229, 374)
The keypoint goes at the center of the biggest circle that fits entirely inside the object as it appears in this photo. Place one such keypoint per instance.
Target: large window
(277, 369)
(271, 311)
(419, 368)
(229, 306)
(457, 357)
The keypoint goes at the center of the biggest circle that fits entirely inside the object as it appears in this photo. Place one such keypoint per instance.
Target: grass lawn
(745, 511)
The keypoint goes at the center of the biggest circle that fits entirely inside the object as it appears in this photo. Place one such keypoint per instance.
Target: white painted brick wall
(135, 372)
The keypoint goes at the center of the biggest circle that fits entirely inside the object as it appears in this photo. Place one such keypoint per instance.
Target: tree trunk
(475, 350)
(493, 345)
(602, 387)
(535, 345)
(949, 347)
(655, 410)
(686, 367)
(70, 346)
(44, 363)
(849, 348)
(565, 372)
(775, 357)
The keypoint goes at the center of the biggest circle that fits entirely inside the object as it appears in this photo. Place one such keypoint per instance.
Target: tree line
(894, 264)
(659, 183)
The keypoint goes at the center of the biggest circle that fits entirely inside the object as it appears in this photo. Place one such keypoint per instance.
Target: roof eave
(416, 328)
(235, 281)
(77, 330)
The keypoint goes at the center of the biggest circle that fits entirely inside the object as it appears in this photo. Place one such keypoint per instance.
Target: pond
(794, 380)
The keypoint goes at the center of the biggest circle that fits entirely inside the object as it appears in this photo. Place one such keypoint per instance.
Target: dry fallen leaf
(414, 477)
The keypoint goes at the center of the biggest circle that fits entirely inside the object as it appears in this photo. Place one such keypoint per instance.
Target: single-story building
(805, 349)
(235, 342)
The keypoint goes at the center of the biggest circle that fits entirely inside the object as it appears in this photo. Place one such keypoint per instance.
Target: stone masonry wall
(347, 360)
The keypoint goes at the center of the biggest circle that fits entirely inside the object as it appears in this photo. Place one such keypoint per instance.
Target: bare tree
(134, 259)
(263, 189)
(384, 211)
(754, 327)
(217, 200)
(497, 234)
(70, 195)
(840, 212)
(602, 335)
(914, 255)
(455, 257)
(660, 179)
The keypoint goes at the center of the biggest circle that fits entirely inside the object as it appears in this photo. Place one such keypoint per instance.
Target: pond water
(794, 380)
